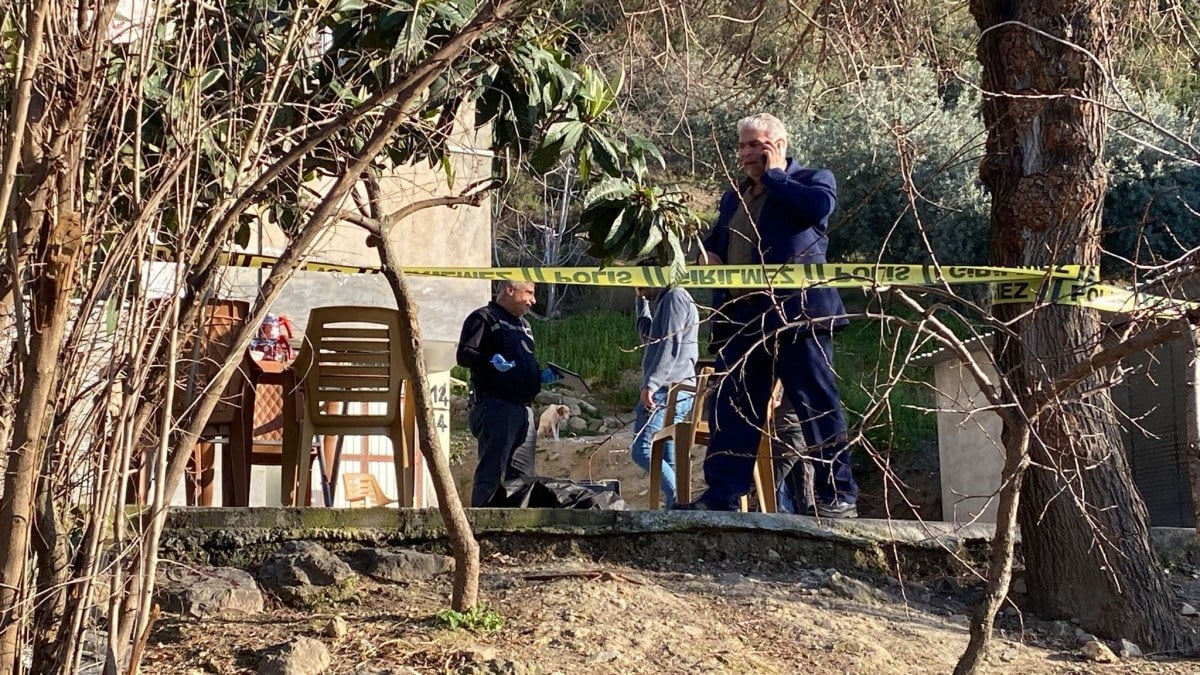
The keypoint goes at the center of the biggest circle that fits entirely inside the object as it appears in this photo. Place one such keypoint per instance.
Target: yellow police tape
(829, 275)
(1091, 294)
(1060, 284)
(833, 275)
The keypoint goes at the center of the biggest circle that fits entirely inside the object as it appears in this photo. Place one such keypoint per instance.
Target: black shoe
(836, 509)
(698, 505)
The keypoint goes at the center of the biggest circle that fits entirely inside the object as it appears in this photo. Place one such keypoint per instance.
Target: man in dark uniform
(497, 346)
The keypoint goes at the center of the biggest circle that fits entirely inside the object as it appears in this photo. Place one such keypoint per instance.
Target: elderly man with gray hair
(777, 214)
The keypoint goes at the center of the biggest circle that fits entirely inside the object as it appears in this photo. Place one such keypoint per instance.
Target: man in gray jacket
(670, 337)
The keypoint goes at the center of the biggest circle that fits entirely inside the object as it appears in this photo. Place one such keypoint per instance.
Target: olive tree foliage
(169, 139)
(889, 101)
(905, 145)
(1152, 209)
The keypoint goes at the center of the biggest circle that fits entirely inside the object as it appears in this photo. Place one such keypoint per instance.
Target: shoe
(836, 509)
(698, 505)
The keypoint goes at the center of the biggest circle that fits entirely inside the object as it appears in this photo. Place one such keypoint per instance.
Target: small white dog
(552, 418)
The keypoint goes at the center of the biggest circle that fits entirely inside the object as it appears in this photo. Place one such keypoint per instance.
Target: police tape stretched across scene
(1059, 284)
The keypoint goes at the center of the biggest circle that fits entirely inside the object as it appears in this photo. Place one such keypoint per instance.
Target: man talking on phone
(777, 214)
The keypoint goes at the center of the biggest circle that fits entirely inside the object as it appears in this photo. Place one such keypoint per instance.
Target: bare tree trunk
(148, 560)
(1016, 460)
(52, 304)
(1085, 532)
(49, 543)
(465, 593)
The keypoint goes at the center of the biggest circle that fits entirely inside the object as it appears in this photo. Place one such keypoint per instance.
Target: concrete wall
(1151, 404)
(969, 447)
(438, 236)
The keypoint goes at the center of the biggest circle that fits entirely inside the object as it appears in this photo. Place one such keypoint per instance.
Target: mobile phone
(763, 158)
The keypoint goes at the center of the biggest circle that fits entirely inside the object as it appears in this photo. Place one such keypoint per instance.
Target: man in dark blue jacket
(778, 214)
(497, 346)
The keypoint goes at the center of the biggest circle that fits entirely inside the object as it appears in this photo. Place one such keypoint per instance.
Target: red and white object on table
(274, 341)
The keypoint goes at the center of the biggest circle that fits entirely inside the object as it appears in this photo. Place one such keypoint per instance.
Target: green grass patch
(624, 397)
(867, 358)
(477, 618)
(597, 345)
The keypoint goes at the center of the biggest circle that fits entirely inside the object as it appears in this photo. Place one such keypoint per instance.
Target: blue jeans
(648, 423)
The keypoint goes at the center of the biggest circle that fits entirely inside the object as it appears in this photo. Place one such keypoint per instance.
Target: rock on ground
(1098, 652)
(207, 591)
(1128, 649)
(336, 628)
(402, 565)
(303, 573)
(854, 589)
(299, 656)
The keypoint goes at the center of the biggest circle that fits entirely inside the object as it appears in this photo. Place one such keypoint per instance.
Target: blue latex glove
(500, 364)
(549, 376)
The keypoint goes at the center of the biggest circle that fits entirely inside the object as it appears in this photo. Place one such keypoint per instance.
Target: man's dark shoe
(837, 509)
(698, 505)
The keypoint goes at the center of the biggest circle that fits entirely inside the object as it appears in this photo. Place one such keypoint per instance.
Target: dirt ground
(570, 612)
(597, 457)
(574, 615)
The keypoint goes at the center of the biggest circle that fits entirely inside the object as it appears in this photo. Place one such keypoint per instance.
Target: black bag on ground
(540, 492)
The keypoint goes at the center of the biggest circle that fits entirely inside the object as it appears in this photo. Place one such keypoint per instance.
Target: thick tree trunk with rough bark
(1085, 531)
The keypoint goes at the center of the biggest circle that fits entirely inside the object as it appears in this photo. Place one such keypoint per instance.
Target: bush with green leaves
(905, 146)
(1152, 208)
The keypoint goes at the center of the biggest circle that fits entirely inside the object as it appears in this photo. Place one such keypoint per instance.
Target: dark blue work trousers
(506, 444)
(751, 362)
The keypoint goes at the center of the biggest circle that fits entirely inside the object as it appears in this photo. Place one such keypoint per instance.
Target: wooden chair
(362, 487)
(686, 434)
(220, 319)
(353, 357)
(695, 431)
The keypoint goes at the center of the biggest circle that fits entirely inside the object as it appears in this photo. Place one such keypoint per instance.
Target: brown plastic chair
(203, 353)
(363, 487)
(351, 356)
(264, 424)
(695, 431)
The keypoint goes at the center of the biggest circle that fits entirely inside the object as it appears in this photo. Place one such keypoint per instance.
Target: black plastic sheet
(540, 492)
